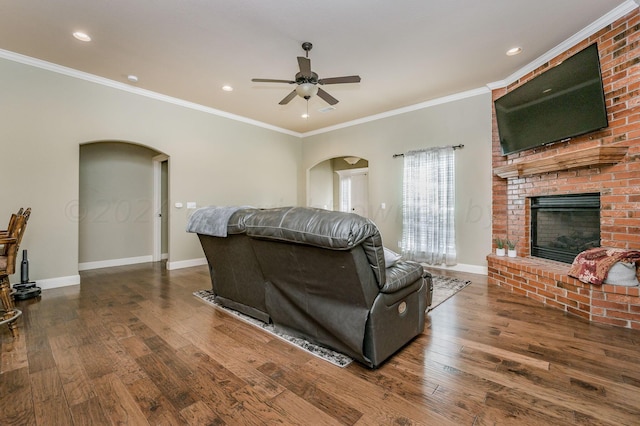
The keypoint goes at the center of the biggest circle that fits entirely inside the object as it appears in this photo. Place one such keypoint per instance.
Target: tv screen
(563, 102)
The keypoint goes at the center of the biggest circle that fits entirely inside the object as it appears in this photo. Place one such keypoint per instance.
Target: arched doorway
(340, 183)
(123, 189)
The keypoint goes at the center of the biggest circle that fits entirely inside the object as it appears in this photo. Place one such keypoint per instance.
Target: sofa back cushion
(320, 228)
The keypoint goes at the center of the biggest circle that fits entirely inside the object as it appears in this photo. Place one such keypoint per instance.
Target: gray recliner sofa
(324, 278)
(237, 281)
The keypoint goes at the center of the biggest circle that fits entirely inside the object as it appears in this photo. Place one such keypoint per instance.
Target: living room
(215, 159)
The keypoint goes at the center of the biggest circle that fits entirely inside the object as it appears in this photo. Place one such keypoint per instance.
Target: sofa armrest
(401, 275)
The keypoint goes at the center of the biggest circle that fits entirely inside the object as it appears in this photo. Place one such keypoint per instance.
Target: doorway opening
(123, 191)
(341, 184)
(354, 191)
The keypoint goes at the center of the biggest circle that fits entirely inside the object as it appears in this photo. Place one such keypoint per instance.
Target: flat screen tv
(563, 102)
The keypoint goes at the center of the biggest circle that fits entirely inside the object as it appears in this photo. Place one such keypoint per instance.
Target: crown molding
(427, 104)
(70, 72)
(594, 27)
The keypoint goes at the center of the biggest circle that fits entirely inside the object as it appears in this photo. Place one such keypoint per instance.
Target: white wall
(320, 186)
(214, 160)
(466, 121)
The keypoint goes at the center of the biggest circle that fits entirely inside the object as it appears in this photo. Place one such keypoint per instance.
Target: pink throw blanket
(592, 266)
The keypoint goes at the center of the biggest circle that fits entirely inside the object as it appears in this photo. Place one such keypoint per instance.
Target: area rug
(335, 358)
(444, 288)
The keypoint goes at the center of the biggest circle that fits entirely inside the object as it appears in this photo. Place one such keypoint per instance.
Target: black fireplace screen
(564, 225)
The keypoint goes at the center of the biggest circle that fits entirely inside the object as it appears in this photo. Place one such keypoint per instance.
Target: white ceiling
(407, 52)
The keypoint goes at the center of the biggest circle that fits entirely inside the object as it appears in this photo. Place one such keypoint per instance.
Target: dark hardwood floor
(133, 346)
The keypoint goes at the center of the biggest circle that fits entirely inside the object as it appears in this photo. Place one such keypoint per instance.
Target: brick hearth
(547, 281)
(618, 184)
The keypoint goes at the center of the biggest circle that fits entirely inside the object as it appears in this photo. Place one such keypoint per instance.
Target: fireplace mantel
(593, 156)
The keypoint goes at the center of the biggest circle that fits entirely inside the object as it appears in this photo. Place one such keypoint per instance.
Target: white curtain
(428, 229)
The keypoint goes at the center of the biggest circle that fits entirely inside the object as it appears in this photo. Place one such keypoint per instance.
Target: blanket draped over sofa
(211, 220)
(592, 266)
(320, 275)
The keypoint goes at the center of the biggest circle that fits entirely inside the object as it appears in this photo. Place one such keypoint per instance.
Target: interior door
(360, 194)
(354, 191)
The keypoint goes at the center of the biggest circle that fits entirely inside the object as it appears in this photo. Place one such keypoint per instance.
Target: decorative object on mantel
(511, 245)
(592, 266)
(593, 156)
(500, 250)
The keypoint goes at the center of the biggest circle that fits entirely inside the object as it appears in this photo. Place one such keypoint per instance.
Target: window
(428, 228)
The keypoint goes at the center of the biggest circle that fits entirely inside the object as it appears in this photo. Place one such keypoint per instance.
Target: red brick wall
(619, 184)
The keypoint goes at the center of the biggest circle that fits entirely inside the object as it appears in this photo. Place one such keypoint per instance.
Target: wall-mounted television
(563, 102)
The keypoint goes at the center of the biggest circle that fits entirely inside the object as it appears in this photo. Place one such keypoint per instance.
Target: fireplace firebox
(562, 226)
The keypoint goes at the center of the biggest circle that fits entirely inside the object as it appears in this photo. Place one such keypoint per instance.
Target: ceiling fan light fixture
(306, 90)
(307, 81)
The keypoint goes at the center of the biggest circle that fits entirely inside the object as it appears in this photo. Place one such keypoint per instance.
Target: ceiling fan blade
(327, 97)
(338, 80)
(288, 98)
(269, 80)
(305, 66)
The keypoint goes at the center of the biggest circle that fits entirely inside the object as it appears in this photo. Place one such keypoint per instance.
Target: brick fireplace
(562, 226)
(606, 162)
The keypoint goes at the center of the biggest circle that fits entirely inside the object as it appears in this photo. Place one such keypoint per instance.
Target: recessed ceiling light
(227, 88)
(514, 51)
(305, 115)
(327, 109)
(132, 78)
(82, 36)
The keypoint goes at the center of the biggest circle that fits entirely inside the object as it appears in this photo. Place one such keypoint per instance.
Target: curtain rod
(452, 146)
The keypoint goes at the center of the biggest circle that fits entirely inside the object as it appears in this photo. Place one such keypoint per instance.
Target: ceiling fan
(307, 81)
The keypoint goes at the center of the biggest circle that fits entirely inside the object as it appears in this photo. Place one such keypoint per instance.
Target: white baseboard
(186, 263)
(49, 283)
(114, 262)
(462, 267)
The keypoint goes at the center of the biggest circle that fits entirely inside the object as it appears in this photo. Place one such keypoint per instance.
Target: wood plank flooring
(133, 346)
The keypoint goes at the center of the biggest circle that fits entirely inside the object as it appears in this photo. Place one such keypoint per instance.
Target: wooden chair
(5, 232)
(11, 243)
(13, 217)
